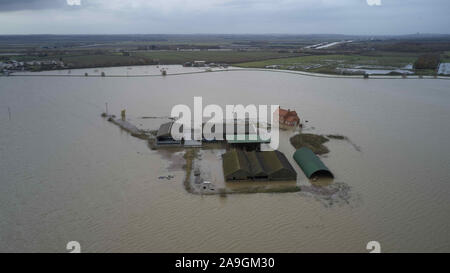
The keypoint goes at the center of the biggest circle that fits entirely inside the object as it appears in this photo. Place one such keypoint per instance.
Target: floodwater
(379, 71)
(444, 69)
(66, 174)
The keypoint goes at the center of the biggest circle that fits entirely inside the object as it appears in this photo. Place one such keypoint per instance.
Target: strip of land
(328, 54)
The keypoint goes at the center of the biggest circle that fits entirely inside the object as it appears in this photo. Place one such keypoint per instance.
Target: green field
(446, 57)
(324, 63)
(104, 60)
(327, 63)
(179, 57)
(253, 51)
(88, 59)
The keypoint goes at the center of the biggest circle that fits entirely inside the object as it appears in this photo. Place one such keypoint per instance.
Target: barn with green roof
(310, 163)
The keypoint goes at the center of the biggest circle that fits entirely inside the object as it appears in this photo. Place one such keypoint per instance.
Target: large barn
(239, 165)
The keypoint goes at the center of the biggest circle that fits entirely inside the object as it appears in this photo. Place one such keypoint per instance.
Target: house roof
(292, 118)
(288, 114)
(282, 112)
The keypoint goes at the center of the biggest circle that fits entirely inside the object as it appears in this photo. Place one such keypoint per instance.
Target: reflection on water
(66, 174)
(321, 181)
(254, 186)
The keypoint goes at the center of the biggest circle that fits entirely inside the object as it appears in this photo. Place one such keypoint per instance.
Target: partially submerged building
(244, 134)
(311, 164)
(246, 142)
(239, 165)
(236, 166)
(288, 118)
(164, 135)
(237, 134)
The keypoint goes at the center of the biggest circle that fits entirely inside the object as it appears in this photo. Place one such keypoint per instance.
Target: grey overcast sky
(371, 17)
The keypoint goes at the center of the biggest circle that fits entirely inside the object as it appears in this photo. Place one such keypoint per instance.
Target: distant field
(327, 63)
(94, 60)
(258, 51)
(82, 60)
(178, 57)
(105, 60)
(336, 59)
(446, 57)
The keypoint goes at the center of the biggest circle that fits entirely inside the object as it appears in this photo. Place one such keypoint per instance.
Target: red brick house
(288, 118)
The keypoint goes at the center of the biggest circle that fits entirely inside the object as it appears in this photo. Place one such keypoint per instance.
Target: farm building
(277, 166)
(243, 134)
(246, 142)
(288, 118)
(236, 166)
(310, 163)
(267, 165)
(235, 127)
(164, 136)
(240, 134)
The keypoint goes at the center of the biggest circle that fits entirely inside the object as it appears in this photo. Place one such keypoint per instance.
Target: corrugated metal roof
(285, 162)
(255, 164)
(277, 166)
(235, 165)
(239, 164)
(270, 161)
(310, 163)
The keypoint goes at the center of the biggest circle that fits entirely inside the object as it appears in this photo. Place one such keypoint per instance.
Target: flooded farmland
(66, 174)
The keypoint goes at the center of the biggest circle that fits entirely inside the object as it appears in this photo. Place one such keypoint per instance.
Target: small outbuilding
(310, 163)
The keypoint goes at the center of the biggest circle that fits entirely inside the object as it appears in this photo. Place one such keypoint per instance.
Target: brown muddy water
(66, 174)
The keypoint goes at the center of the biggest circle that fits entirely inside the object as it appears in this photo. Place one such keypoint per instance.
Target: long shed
(236, 166)
(277, 166)
(267, 165)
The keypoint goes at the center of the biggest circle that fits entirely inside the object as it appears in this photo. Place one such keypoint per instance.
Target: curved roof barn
(310, 163)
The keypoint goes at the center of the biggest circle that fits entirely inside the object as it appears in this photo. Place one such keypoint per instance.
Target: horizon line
(236, 34)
